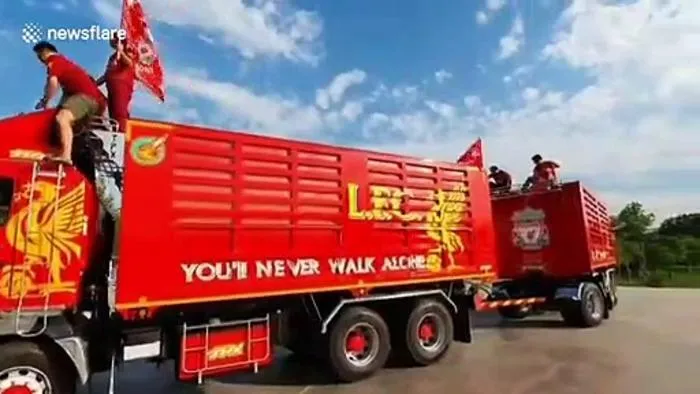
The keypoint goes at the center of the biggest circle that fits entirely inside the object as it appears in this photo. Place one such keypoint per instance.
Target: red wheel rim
(430, 334)
(17, 390)
(426, 331)
(24, 380)
(361, 344)
(356, 342)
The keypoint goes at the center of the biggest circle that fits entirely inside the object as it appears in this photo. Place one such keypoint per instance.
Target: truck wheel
(589, 311)
(26, 368)
(429, 332)
(514, 312)
(359, 344)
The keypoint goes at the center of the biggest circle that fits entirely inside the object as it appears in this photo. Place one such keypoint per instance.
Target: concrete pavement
(651, 345)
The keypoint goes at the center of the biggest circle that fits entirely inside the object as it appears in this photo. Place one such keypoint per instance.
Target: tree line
(644, 250)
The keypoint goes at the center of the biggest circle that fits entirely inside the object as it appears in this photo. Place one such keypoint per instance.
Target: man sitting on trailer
(81, 100)
(499, 180)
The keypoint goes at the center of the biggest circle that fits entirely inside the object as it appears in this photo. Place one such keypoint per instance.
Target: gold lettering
(385, 205)
(226, 351)
(353, 211)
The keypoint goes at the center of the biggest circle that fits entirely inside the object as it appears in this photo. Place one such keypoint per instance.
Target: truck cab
(50, 227)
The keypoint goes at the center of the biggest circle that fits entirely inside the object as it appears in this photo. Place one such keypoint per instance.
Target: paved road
(651, 345)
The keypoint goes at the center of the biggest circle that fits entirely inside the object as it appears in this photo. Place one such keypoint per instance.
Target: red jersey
(118, 72)
(73, 79)
(546, 170)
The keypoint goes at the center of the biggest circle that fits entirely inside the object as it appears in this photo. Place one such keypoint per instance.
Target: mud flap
(462, 319)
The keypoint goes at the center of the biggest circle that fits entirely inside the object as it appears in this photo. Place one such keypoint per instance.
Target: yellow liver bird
(444, 218)
(49, 244)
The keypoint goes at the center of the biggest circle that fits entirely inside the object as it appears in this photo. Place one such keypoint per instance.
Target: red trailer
(227, 243)
(556, 251)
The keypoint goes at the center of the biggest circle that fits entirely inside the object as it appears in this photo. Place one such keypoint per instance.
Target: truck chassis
(354, 335)
(582, 301)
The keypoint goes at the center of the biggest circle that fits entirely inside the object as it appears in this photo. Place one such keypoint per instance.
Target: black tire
(27, 363)
(517, 312)
(570, 313)
(418, 352)
(589, 311)
(379, 349)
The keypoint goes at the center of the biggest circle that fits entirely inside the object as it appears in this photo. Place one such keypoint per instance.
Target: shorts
(81, 106)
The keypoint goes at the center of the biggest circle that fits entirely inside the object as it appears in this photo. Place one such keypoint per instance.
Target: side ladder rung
(49, 174)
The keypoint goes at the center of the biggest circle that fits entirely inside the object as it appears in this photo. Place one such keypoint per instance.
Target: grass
(665, 279)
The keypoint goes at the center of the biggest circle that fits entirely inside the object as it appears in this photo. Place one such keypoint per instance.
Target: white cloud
(352, 110)
(374, 124)
(405, 93)
(109, 10)
(513, 41)
(518, 74)
(238, 105)
(445, 110)
(206, 39)
(663, 203)
(260, 28)
(442, 75)
(472, 102)
(63, 5)
(58, 6)
(172, 110)
(530, 94)
(338, 86)
(492, 8)
(638, 115)
(495, 5)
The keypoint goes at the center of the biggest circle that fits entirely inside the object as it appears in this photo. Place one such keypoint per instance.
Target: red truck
(556, 251)
(227, 244)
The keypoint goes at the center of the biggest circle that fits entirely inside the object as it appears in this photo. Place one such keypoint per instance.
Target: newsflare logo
(33, 33)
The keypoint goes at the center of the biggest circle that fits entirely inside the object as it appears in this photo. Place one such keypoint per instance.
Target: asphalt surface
(650, 345)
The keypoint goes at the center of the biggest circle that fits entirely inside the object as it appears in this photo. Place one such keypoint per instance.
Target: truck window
(6, 192)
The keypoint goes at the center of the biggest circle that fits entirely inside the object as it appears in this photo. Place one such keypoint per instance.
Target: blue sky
(605, 87)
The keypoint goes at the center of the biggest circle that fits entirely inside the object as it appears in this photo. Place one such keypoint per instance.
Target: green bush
(656, 279)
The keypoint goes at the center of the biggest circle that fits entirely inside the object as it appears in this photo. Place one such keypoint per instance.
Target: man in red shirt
(81, 99)
(119, 76)
(545, 172)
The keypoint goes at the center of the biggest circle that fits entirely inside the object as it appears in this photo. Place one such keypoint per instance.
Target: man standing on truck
(120, 77)
(499, 180)
(81, 100)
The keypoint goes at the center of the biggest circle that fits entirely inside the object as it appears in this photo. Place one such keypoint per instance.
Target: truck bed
(228, 215)
(563, 233)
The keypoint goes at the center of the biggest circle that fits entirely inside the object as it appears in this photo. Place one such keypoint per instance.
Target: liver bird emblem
(443, 220)
(48, 236)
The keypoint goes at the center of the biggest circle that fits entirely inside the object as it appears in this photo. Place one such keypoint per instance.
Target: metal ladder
(38, 173)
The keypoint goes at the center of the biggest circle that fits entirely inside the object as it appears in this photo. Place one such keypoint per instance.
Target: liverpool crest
(530, 231)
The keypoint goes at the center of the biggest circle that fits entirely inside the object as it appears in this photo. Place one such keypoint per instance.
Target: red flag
(141, 44)
(473, 156)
